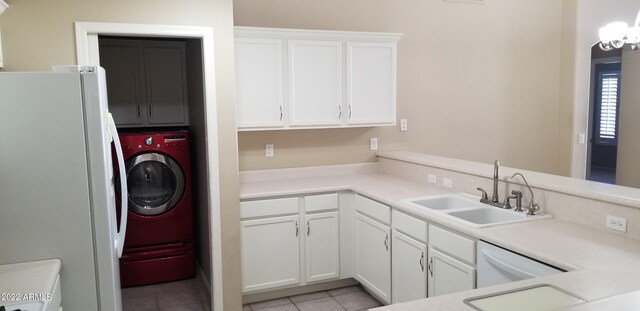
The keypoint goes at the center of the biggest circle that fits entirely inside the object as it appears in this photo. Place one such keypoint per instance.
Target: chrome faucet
(495, 201)
(533, 208)
(496, 167)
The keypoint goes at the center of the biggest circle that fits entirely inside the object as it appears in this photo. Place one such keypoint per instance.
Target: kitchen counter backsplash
(306, 172)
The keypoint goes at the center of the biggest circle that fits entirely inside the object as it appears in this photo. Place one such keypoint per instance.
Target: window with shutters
(607, 104)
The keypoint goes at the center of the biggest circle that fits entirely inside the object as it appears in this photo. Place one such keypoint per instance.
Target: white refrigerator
(57, 195)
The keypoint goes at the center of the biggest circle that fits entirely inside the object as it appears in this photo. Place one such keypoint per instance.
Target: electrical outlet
(403, 125)
(268, 150)
(447, 183)
(432, 179)
(617, 223)
(374, 143)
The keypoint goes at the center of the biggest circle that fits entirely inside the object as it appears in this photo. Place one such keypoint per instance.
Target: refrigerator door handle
(124, 195)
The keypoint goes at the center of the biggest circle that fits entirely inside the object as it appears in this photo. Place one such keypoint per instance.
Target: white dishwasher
(497, 265)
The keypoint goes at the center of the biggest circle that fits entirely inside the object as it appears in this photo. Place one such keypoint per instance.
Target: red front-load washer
(159, 239)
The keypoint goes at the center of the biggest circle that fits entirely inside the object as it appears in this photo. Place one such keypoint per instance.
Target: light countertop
(600, 263)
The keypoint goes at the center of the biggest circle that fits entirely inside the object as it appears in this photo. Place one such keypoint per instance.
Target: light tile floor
(191, 295)
(352, 298)
(186, 295)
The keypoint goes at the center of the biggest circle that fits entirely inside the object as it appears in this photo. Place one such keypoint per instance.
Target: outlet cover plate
(268, 150)
(617, 223)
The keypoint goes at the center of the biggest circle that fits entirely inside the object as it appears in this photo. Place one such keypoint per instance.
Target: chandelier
(615, 35)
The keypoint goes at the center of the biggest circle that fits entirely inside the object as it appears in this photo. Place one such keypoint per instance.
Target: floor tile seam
(313, 300)
(341, 306)
(284, 304)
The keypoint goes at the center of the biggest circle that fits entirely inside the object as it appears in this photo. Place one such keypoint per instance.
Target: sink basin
(446, 202)
(488, 215)
(468, 209)
(534, 298)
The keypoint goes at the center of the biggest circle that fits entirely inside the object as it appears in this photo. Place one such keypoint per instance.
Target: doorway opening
(604, 115)
(202, 123)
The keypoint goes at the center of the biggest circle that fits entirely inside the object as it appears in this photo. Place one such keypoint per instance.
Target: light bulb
(633, 35)
(605, 46)
(613, 32)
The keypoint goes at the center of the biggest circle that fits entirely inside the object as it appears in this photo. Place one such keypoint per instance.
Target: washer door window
(155, 183)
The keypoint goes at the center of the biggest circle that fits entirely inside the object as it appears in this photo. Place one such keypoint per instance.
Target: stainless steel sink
(468, 209)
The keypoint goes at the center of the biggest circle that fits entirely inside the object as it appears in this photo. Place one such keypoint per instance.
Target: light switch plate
(374, 143)
(432, 179)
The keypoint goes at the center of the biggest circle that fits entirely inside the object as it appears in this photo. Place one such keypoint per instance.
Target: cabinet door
(315, 83)
(409, 271)
(322, 246)
(373, 257)
(371, 83)
(124, 81)
(448, 275)
(166, 76)
(259, 83)
(270, 252)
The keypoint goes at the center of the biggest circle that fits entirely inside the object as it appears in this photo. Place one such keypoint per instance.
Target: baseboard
(297, 290)
(205, 281)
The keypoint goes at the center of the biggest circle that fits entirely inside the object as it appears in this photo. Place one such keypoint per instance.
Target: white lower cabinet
(273, 232)
(322, 246)
(270, 252)
(409, 271)
(373, 256)
(395, 256)
(449, 275)
(452, 259)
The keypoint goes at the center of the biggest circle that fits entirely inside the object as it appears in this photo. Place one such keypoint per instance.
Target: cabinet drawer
(272, 207)
(322, 202)
(410, 226)
(371, 208)
(453, 244)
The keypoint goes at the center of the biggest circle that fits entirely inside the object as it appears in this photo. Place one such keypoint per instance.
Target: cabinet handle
(431, 266)
(297, 228)
(150, 111)
(350, 112)
(386, 242)
(339, 112)
(138, 111)
(280, 113)
(421, 262)
(308, 228)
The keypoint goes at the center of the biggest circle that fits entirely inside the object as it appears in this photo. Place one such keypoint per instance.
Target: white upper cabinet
(315, 86)
(301, 79)
(371, 83)
(259, 83)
